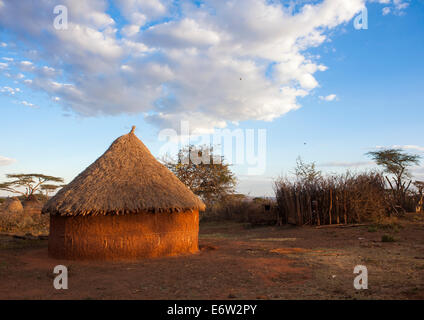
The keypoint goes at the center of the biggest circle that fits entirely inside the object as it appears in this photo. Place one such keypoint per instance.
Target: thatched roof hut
(32, 206)
(13, 205)
(126, 205)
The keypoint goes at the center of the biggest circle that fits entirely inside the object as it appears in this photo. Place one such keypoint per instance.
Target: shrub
(372, 229)
(387, 238)
(231, 208)
(241, 209)
(21, 223)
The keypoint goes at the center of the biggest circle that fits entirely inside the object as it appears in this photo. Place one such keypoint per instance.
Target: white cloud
(130, 30)
(141, 11)
(347, 164)
(9, 90)
(386, 11)
(400, 4)
(3, 44)
(219, 62)
(28, 104)
(6, 161)
(404, 147)
(26, 66)
(410, 147)
(418, 173)
(330, 97)
(186, 33)
(393, 6)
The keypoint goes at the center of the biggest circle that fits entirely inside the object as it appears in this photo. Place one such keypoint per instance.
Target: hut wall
(124, 237)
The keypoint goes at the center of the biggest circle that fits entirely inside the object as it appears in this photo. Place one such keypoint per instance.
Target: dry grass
(21, 223)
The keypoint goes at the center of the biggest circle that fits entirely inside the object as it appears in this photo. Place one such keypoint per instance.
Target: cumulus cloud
(209, 63)
(6, 161)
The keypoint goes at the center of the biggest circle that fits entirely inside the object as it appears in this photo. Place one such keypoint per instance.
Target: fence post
(345, 207)
(299, 216)
(337, 209)
(331, 206)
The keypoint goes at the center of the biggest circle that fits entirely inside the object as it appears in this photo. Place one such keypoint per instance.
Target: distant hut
(13, 205)
(32, 206)
(124, 206)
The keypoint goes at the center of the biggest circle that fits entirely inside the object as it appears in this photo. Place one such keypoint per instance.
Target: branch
(9, 189)
(409, 184)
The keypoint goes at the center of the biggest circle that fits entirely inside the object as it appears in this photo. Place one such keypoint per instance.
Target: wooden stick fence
(342, 199)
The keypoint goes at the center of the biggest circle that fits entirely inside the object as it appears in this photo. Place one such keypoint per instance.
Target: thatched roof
(125, 179)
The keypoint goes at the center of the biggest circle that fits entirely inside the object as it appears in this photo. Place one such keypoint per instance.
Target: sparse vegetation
(239, 208)
(387, 238)
(21, 223)
(372, 229)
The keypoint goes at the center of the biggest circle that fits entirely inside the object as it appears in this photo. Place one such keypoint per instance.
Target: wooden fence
(345, 199)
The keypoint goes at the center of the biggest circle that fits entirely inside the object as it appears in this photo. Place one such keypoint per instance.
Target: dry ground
(236, 262)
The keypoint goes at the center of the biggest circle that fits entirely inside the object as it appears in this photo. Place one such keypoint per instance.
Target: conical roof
(125, 179)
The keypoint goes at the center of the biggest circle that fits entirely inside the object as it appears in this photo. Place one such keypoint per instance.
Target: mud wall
(125, 237)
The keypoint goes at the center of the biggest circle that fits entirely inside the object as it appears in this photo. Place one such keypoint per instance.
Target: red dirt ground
(235, 262)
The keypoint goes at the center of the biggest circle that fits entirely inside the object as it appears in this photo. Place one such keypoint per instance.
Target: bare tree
(306, 172)
(27, 184)
(396, 163)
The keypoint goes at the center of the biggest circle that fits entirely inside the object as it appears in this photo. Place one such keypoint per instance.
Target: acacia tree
(49, 188)
(396, 163)
(205, 174)
(27, 184)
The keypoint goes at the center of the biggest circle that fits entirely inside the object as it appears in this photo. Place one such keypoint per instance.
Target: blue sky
(320, 88)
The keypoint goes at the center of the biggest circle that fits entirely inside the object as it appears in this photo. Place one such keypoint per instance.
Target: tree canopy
(396, 163)
(205, 174)
(28, 184)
